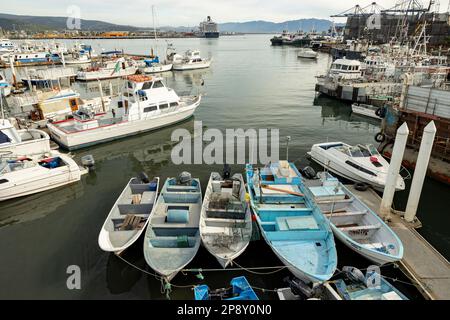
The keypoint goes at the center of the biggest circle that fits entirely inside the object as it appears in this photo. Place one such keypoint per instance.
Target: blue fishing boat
(173, 238)
(240, 290)
(290, 222)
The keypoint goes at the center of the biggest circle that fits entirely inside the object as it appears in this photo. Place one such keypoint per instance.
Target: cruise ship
(209, 29)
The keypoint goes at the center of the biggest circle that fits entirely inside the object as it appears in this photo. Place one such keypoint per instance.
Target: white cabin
(346, 69)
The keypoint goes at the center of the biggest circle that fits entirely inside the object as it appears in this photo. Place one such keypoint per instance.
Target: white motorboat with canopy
(360, 163)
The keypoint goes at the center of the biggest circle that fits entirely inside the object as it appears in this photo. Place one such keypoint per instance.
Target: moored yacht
(146, 104)
(22, 176)
(307, 53)
(360, 163)
(190, 61)
(16, 143)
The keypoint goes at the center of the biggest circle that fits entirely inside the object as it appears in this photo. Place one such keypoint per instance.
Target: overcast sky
(190, 12)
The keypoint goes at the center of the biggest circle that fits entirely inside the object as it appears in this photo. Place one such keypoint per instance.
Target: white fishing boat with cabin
(225, 221)
(360, 163)
(108, 70)
(129, 216)
(22, 176)
(5, 87)
(190, 61)
(353, 222)
(145, 104)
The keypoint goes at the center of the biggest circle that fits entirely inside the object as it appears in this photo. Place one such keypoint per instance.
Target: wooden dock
(421, 262)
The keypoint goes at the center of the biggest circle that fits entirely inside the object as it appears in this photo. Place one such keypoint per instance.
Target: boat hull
(364, 112)
(83, 139)
(158, 69)
(192, 66)
(105, 74)
(38, 180)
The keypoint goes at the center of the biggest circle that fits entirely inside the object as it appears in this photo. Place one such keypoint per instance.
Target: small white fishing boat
(173, 238)
(190, 61)
(108, 70)
(145, 104)
(27, 175)
(307, 53)
(128, 217)
(154, 66)
(366, 110)
(360, 163)
(15, 143)
(225, 222)
(354, 223)
(79, 57)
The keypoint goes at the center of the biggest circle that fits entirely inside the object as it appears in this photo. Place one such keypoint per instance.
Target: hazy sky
(190, 12)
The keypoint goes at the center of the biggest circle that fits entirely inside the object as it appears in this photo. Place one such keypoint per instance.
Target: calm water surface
(250, 85)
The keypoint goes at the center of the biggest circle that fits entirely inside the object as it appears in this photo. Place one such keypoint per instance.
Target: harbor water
(249, 85)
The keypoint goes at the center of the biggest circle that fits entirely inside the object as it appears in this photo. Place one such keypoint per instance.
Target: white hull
(191, 66)
(307, 55)
(364, 112)
(38, 179)
(379, 259)
(158, 68)
(86, 138)
(72, 62)
(6, 91)
(105, 74)
(31, 147)
(340, 168)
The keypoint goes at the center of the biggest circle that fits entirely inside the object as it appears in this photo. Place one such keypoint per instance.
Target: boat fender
(309, 173)
(143, 177)
(380, 137)
(381, 112)
(361, 186)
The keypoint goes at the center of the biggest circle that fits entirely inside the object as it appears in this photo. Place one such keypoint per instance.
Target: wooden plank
(298, 194)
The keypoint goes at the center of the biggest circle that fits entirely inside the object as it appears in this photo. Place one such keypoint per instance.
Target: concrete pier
(421, 262)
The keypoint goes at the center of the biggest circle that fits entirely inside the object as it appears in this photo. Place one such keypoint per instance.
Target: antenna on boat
(288, 139)
(1, 104)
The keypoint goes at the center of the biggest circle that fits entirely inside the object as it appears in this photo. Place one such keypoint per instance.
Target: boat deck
(69, 126)
(421, 261)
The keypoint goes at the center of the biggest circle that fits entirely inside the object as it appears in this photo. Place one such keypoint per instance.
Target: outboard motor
(309, 173)
(185, 178)
(226, 171)
(88, 162)
(143, 177)
(300, 288)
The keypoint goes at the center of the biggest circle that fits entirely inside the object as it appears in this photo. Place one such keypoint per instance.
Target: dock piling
(420, 171)
(394, 169)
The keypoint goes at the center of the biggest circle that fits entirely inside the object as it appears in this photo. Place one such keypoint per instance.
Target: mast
(154, 28)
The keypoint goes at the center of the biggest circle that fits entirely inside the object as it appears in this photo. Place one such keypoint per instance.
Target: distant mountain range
(39, 23)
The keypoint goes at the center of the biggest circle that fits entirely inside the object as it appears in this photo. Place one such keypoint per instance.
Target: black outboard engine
(309, 173)
(88, 162)
(143, 177)
(184, 178)
(299, 288)
(226, 172)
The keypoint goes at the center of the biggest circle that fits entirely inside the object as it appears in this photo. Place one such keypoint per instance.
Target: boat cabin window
(174, 104)
(157, 84)
(147, 85)
(150, 109)
(3, 181)
(364, 151)
(163, 106)
(130, 84)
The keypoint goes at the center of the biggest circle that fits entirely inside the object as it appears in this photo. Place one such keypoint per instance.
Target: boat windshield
(373, 150)
(356, 152)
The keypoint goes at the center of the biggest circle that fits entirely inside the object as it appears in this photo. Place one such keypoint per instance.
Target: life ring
(380, 137)
(361, 186)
